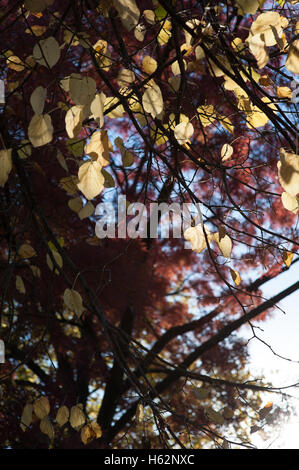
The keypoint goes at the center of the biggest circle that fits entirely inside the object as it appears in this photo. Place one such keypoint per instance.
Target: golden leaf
(41, 407)
(62, 416)
(73, 301)
(26, 251)
(235, 276)
(77, 417)
(287, 257)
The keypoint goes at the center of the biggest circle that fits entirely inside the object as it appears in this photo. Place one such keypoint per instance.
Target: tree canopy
(132, 342)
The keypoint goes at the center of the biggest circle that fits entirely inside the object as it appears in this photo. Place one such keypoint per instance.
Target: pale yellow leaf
(75, 204)
(139, 413)
(195, 235)
(77, 417)
(226, 152)
(47, 52)
(97, 108)
(82, 89)
(128, 11)
(26, 418)
(165, 33)
(183, 132)
(5, 165)
(62, 416)
(58, 260)
(292, 62)
(40, 130)
(35, 270)
(37, 6)
(149, 64)
(69, 184)
(98, 147)
(47, 428)
(287, 257)
(283, 92)
(15, 63)
(235, 276)
(149, 16)
(20, 285)
(288, 172)
(86, 211)
(73, 121)
(152, 100)
(291, 203)
(73, 301)
(26, 251)
(41, 407)
(37, 99)
(139, 32)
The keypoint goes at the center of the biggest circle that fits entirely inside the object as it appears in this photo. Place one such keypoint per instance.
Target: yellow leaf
(37, 99)
(152, 100)
(87, 435)
(15, 63)
(5, 165)
(40, 131)
(69, 184)
(36, 30)
(288, 172)
(226, 152)
(82, 89)
(86, 211)
(291, 203)
(77, 417)
(73, 301)
(41, 407)
(35, 270)
(73, 121)
(235, 276)
(62, 416)
(287, 257)
(109, 181)
(20, 285)
(165, 33)
(195, 235)
(283, 92)
(47, 52)
(57, 259)
(26, 418)
(98, 147)
(91, 179)
(149, 16)
(292, 62)
(149, 64)
(97, 108)
(139, 413)
(75, 204)
(183, 132)
(128, 11)
(36, 6)
(47, 428)
(26, 251)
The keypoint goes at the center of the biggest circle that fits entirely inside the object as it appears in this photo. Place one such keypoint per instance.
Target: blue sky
(281, 331)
